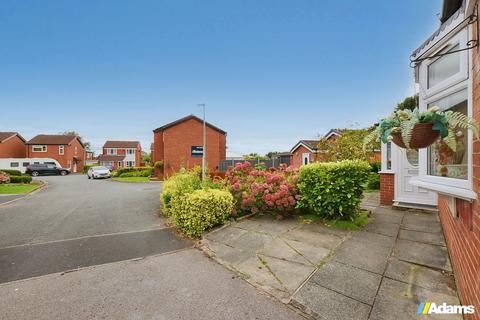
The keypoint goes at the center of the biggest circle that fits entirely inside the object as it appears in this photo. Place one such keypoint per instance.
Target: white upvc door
(405, 192)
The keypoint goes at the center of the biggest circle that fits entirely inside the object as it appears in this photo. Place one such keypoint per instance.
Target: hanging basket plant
(415, 130)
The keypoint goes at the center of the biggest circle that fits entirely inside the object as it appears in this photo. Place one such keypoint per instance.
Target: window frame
(451, 186)
(61, 150)
(42, 146)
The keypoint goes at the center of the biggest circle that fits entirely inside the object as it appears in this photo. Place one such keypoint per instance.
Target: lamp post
(204, 147)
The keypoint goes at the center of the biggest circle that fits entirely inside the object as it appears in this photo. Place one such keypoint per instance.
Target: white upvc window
(61, 150)
(130, 151)
(39, 148)
(130, 163)
(111, 151)
(446, 83)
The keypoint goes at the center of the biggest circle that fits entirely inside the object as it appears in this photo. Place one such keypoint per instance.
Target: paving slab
(364, 255)
(388, 215)
(383, 228)
(424, 277)
(423, 222)
(320, 228)
(352, 282)
(313, 254)
(228, 254)
(279, 248)
(290, 274)
(423, 254)
(373, 240)
(326, 304)
(399, 300)
(425, 237)
(268, 224)
(228, 236)
(252, 241)
(316, 239)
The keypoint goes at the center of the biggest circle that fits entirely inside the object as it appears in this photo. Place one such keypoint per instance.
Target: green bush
(121, 171)
(376, 166)
(178, 185)
(373, 182)
(158, 164)
(20, 179)
(11, 172)
(333, 190)
(140, 173)
(200, 210)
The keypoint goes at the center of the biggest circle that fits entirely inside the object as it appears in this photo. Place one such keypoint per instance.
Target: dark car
(46, 169)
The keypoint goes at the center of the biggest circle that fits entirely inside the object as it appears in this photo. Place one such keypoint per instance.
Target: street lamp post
(204, 147)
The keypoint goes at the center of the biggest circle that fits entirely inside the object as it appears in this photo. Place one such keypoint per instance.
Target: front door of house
(405, 193)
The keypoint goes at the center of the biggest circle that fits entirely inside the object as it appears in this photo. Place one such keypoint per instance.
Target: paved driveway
(76, 222)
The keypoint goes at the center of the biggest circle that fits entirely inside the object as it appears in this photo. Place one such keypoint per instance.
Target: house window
(76, 148)
(25, 164)
(130, 163)
(119, 164)
(443, 161)
(130, 151)
(61, 150)
(444, 67)
(39, 148)
(389, 155)
(111, 151)
(14, 164)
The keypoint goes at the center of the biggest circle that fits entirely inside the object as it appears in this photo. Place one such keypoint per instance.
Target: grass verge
(361, 220)
(132, 179)
(18, 188)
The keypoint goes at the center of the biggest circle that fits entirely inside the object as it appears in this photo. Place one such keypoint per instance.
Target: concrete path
(180, 285)
(383, 272)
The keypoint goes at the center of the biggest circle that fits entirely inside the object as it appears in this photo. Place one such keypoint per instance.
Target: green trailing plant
(158, 164)
(403, 122)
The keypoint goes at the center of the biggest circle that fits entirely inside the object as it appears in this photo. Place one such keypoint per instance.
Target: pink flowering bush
(257, 189)
(4, 178)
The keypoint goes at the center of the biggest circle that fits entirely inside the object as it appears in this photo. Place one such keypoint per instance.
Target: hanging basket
(423, 136)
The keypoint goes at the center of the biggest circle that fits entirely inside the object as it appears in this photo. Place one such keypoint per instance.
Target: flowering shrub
(4, 178)
(258, 188)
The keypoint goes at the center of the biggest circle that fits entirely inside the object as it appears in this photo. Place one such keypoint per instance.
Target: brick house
(450, 183)
(119, 154)
(12, 145)
(68, 150)
(179, 144)
(304, 152)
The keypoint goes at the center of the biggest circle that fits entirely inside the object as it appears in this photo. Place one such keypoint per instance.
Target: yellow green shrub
(200, 210)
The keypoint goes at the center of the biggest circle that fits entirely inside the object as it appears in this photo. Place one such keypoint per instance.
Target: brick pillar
(387, 188)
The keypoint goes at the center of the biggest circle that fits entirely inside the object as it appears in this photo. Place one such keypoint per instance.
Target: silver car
(98, 172)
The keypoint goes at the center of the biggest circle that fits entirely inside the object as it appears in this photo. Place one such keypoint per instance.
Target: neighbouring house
(120, 154)
(179, 145)
(68, 150)
(447, 72)
(304, 152)
(89, 155)
(12, 145)
(283, 157)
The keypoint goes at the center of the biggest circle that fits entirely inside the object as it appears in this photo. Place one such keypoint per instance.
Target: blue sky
(271, 72)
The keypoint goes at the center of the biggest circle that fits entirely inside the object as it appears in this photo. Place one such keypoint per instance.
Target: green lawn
(18, 188)
(359, 222)
(132, 179)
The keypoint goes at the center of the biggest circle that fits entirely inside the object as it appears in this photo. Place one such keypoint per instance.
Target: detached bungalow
(12, 145)
(68, 150)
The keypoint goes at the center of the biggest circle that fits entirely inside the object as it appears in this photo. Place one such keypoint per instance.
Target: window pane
(444, 67)
(389, 155)
(444, 162)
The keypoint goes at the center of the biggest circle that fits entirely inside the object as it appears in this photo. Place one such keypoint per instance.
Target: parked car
(46, 169)
(98, 172)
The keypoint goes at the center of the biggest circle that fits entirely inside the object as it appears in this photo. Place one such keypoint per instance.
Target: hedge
(333, 190)
(12, 172)
(373, 181)
(20, 179)
(200, 210)
(178, 185)
(134, 172)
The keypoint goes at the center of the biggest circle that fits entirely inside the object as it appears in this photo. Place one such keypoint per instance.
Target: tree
(146, 158)
(409, 103)
(254, 156)
(347, 146)
(86, 144)
(271, 154)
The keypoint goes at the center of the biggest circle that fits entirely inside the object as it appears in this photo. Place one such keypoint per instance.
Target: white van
(21, 164)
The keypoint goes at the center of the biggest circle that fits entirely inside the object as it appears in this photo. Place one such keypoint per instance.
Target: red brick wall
(297, 156)
(67, 159)
(13, 148)
(173, 146)
(387, 188)
(462, 229)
